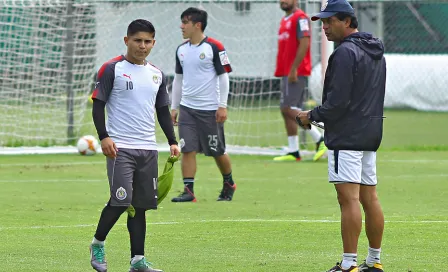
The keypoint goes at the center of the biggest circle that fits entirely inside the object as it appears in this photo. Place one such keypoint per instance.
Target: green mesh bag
(165, 181)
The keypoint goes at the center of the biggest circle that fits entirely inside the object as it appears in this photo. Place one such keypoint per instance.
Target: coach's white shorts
(352, 166)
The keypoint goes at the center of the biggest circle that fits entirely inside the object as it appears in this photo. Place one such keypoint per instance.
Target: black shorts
(293, 94)
(133, 178)
(200, 132)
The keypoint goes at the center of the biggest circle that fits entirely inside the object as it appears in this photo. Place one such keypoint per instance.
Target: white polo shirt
(132, 93)
(201, 65)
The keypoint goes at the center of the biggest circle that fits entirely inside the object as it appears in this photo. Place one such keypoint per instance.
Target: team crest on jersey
(121, 193)
(324, 6)
(181, 59)
(181, 142)
(156, 79)
(202, 56)
(288, 25)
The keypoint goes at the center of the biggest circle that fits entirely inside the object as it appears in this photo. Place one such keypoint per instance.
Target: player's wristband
(172, 142)
(309, 116)
(103, 136)
(299, 122)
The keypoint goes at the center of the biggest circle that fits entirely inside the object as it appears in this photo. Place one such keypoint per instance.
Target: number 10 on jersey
(129, 85)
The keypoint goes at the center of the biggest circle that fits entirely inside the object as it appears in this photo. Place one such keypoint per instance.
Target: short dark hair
(141, 25)
(353, 20)
(196, 16)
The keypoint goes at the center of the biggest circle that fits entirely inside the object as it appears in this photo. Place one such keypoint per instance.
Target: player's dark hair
(141, 25)
(353, 20)
(196, 16)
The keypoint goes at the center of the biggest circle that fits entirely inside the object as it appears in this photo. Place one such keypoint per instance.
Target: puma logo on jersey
(128, 76)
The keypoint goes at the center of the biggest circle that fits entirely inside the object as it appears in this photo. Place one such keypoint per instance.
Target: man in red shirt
(294, 66)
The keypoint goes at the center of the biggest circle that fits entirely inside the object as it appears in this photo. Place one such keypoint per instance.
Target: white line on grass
(414, 161)
(312, 221)
(52, 164)
(52, 180)
(256, 161)
(322, 221)
(75, 226)
(299, 178)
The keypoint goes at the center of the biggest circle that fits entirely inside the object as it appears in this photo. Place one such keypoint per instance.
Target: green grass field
(256, 125)
(284, 216)
(403, 130)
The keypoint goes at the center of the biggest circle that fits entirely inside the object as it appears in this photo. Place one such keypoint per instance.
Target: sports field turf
(254, 126)
(284, 216)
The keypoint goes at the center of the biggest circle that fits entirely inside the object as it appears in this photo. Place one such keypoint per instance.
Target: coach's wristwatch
(309, 115)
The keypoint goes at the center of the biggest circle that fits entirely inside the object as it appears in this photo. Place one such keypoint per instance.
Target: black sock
(228, 178)
(137, 232)
(189, 183)
(295, 154)
(109, 217)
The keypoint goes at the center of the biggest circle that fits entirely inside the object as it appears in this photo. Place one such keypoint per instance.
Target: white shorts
(352, 167)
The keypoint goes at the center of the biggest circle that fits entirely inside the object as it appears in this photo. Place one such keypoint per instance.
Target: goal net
(48, 57)
(50, 51)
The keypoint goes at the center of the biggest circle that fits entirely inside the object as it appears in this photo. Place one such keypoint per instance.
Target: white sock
(293, 143)
(137, 258)
(315, 134)
(349, 260)
(97, 242)
(373, 256)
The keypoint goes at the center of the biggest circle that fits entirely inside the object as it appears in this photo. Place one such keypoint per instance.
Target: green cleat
(321, 149)
(288, 157)
(143, 266)
(98, 258)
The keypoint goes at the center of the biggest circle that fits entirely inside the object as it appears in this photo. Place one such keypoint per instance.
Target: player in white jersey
(200, 92)
(133, 91)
